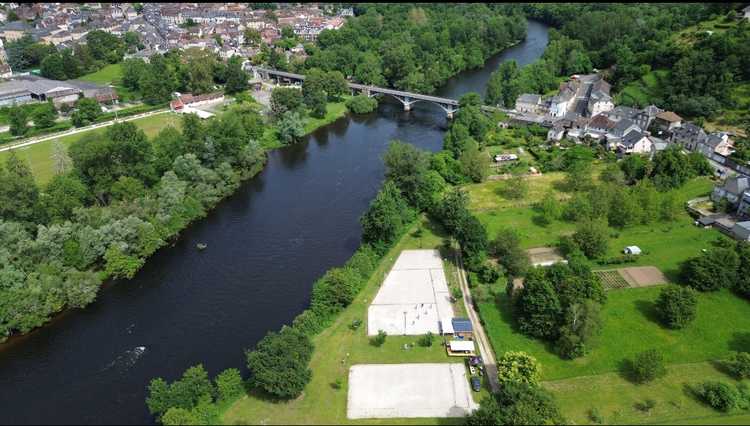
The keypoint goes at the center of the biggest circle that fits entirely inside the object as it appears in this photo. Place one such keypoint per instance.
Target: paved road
(485, 349)
(78, 130)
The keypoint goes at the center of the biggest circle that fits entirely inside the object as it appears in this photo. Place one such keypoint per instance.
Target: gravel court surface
(413, 298)
(408, 390)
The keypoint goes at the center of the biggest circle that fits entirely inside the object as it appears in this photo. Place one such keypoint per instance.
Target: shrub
(361, 104)
(379, 339)
(648, 365)
(738, 365)
(646, 405)
(595, 416)
(677, 306)
(427, 339)
(718, 395)
(712, 270)
(354, 326)
(591, 238)
(518, 367)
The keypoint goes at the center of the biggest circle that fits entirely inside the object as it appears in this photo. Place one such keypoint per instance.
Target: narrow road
(485, 349)
(45, 138)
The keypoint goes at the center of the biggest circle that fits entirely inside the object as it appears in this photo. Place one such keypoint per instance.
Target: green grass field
(110, 74)
(39, 155)
(615, 398)
(337, 348)
(630, 325)
(644, 90)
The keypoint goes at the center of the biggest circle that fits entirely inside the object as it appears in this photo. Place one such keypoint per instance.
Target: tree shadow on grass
(264, 396)
(740, 342)
(648, 310)
(625, 369)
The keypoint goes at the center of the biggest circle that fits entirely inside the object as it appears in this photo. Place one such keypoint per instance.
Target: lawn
(336, 349)
(630, 325)
(643, 90)
(39, 155)
(110, 74)
(615, 398)
(334, 111)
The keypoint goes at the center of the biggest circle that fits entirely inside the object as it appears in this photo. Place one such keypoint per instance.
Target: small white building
(634, 250)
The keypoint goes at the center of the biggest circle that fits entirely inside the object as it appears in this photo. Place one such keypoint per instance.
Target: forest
(114, 201)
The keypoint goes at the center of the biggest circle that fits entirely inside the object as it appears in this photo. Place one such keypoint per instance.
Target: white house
(635, 142)
(561, 103)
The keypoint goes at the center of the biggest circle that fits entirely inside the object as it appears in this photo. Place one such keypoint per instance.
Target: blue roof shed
(461, 325)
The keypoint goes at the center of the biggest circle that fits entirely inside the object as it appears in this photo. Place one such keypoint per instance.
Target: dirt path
(485, 349)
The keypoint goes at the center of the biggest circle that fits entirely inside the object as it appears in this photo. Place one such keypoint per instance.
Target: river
(266, 246)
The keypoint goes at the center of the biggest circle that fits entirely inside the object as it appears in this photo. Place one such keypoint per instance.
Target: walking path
(485, 349)
(79, 130)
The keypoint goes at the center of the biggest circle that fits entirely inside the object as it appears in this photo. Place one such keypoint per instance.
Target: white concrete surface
(413, 297)
(408, 390)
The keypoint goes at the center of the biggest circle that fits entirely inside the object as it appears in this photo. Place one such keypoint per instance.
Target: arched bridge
(450, 106)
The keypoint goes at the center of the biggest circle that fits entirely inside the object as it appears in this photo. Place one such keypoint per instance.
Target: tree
(538, 305)
(18, 191)
(406, 166)
(718, 395)
(518, 367)
(236, 77)
(386, 218)
(285, 99)
(87, 111)
(503, 87)
(179, 416)
(127, 188)
(335, 290)
(361, 104)
(582, 322)
(335, 85)
(53, 67)
(44, 115)
(291, 127)
(252, 37)
(712, 270)
(648, 366)
(613, 174)
(474, 164)
(63, 194)
(517, 404)
(635, 168)
(185, 393)
(316, 101)
(677, 306)
(671, 168)
(578, 177)
(132, 72)
(591, 237)
(507, 249)
(229, 384)
(279, 363)
(18, 118)
(200, 69)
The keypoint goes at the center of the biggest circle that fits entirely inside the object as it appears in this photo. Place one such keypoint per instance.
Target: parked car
(476, 384)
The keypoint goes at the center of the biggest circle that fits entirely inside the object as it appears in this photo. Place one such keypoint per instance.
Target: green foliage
(427, 340)
(507, 249)
(648, 366)
(361, 104)
(291, 127)
(738, 365)
(719, 395)
(517, 404)
(591, 237)
(386, 218)
(18, 191)
(677, 306)
(44, 116)
(87, 111)
(503, 87)
(229, 384)
(63, 194)
(712, 270)
(279, 363)
(335, 290)
(185, 393)
(379, 339)
(18, 118)
(285, 99)
(518, 367)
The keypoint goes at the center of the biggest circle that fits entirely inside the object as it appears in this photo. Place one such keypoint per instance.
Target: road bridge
(407, 99)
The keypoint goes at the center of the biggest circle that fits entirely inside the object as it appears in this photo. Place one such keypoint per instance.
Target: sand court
(413, 298)
(408, 390)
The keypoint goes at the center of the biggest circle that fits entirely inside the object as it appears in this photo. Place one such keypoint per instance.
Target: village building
(668, 120)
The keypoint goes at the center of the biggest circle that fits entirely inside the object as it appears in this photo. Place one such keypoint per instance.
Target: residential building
(635, 142)
(668, 120)
(734, 189)
(528, 102)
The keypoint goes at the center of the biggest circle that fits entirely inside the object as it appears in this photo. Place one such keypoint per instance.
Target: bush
(677, 306)
(518, 367)
(427, 339)
(718, 395)
(711, 270)
(361, 104)
(354, 326)
(379, 339)
(591, 238)
(648, 366)
(738, 365)
(279, 363)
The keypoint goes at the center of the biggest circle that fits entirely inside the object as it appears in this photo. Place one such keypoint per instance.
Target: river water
(266, 246)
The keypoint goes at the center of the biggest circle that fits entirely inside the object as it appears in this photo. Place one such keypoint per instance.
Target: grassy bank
(334, 111)
(615, 398)
(39, 155)
(630, 325)
(337, 348)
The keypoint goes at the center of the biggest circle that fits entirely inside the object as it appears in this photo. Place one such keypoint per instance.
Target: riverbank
(338, 347)
(42, 168)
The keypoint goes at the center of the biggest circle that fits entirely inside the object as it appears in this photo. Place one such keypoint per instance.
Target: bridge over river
(450, 106)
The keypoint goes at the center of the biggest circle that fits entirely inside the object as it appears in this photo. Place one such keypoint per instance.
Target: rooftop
(461, 325)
